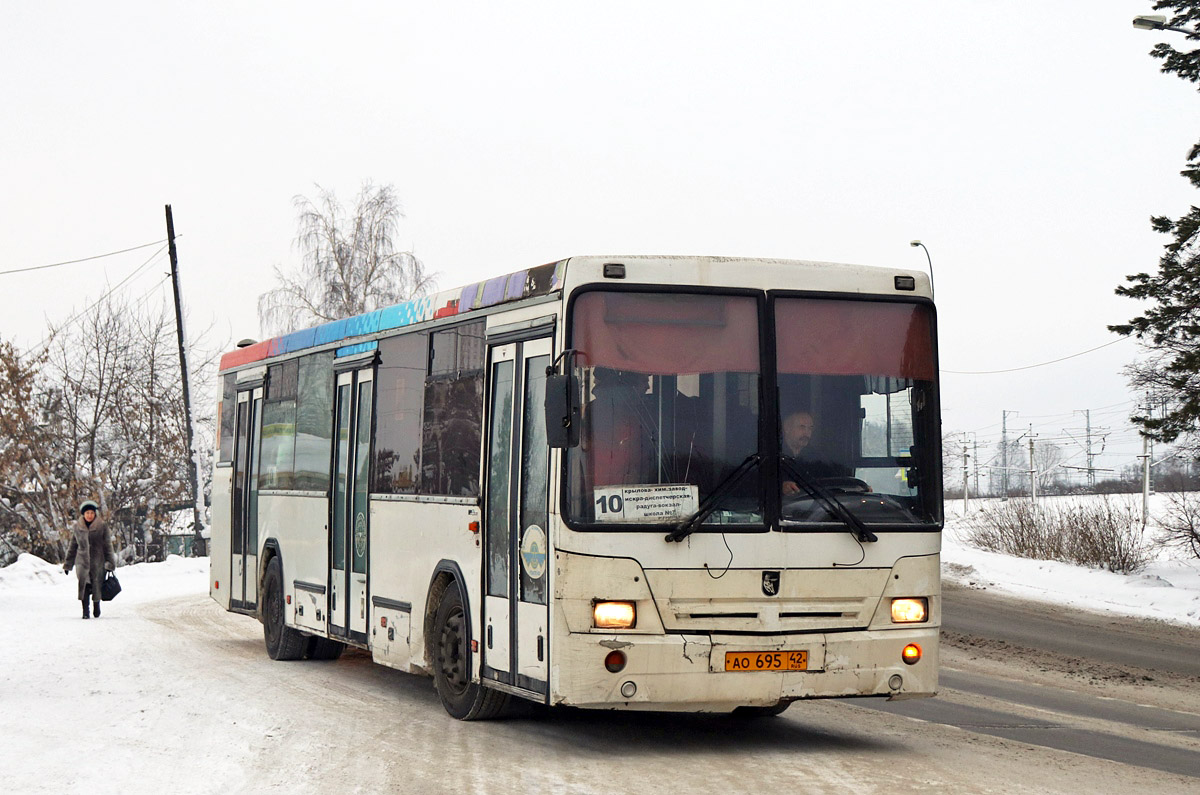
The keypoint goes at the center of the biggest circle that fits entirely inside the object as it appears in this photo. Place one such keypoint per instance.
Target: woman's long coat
(91, 548)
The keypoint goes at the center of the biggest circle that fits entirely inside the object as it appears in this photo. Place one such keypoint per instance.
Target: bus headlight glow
(910, 654)
(910, 611)
(614, 615)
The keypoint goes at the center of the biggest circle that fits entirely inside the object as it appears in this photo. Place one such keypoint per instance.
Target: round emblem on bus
(360, 534)
(534, 552)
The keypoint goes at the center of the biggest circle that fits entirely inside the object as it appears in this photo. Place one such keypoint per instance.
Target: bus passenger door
(243, 582)
(517, 549)
(350, 512)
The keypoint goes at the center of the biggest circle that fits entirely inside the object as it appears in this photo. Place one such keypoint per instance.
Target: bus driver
(798, 428)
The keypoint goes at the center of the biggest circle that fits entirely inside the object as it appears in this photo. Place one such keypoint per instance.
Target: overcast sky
(1026, 143)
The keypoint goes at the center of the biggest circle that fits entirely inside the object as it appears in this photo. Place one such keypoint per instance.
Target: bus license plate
(766, 661)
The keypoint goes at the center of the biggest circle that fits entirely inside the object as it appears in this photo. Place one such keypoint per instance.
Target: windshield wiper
(830, 502)
(710, 503)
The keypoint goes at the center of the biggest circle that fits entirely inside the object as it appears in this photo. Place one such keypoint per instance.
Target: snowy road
(167, 693)
(1114, 688)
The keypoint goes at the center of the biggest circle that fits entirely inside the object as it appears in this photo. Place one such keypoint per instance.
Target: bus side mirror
(562, 411)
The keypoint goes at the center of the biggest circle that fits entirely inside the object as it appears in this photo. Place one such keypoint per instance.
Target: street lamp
(1158, 22)
(914, 244)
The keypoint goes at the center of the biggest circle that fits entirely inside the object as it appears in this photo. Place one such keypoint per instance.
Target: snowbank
(1168, 589)
(176, 576)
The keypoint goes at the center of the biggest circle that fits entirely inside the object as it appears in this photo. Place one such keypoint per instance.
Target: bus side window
(228, 406)
(278, 452)
(314, 430)
(400, 397)
(452, 423)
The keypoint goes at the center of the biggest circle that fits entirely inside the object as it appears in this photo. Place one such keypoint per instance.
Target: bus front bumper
(688, 673)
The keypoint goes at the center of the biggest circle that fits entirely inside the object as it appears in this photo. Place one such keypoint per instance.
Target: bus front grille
(808, 600)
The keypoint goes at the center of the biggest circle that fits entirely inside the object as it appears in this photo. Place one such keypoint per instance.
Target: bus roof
(527, 283)
(546, 279)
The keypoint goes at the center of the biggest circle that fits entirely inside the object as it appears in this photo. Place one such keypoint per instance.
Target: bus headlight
(614, 615)
(910, 611)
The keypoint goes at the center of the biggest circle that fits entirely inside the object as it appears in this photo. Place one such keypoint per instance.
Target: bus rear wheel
(283, 642)
(462, 698)
(323, 649)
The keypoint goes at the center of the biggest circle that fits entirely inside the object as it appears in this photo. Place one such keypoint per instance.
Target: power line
(82, 259)
(153, 287)
(1039, 364)
(115, 287)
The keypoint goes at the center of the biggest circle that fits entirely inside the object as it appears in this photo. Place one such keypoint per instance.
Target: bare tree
(1181, 521)
(98, 414)
(119, 418)
(1018, 468)
(349, 263)
(1046, 459)
(952, 460)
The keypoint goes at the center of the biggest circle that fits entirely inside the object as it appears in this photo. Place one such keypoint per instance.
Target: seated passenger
(798, 429)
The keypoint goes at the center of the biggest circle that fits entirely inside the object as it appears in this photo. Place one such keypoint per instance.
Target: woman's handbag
(110, 587)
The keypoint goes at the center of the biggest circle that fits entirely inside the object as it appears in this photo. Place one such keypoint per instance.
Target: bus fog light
(615, 661)
(911, 653)
(896, 682)
(910, 611)
(614, 615)
(628, 690)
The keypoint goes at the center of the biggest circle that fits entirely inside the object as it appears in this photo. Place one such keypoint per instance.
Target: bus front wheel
(462, 698)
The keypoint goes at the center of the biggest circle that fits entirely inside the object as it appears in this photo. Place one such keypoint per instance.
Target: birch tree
(350, 262)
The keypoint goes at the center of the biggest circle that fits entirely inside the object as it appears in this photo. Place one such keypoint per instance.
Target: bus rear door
(243, 592)
(350, 512)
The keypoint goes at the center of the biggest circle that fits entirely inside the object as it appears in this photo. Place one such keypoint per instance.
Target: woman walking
(91, 554)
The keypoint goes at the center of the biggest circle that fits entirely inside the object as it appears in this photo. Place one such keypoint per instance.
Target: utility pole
(1004, 453)
(966, 490)
(976, 459)
(1147, 451)
(194, 464)
(1032, 468)
(1145, 456)
(1091, 457)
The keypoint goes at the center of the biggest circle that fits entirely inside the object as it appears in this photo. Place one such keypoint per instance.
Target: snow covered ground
(131, 702)
(81, 709)
(1168, 589)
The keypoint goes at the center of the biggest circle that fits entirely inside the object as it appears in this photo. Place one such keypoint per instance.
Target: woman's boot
(85, 610)
(96, 608)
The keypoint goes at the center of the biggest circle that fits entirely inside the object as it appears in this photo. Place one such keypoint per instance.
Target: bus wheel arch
(448, 649)
(270, 551)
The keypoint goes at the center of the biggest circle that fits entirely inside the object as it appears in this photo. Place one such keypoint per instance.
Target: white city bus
(658, 483)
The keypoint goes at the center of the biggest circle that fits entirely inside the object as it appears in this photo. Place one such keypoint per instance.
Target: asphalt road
(1096, 637)
(1069, 680)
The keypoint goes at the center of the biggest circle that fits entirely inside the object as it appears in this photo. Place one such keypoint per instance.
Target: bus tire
(283, 642)
(323, 649)
(462, 698)
(761, 712)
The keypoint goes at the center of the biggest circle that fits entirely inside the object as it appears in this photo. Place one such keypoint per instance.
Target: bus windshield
(857, 414)
(670, 406)
(671, 411)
